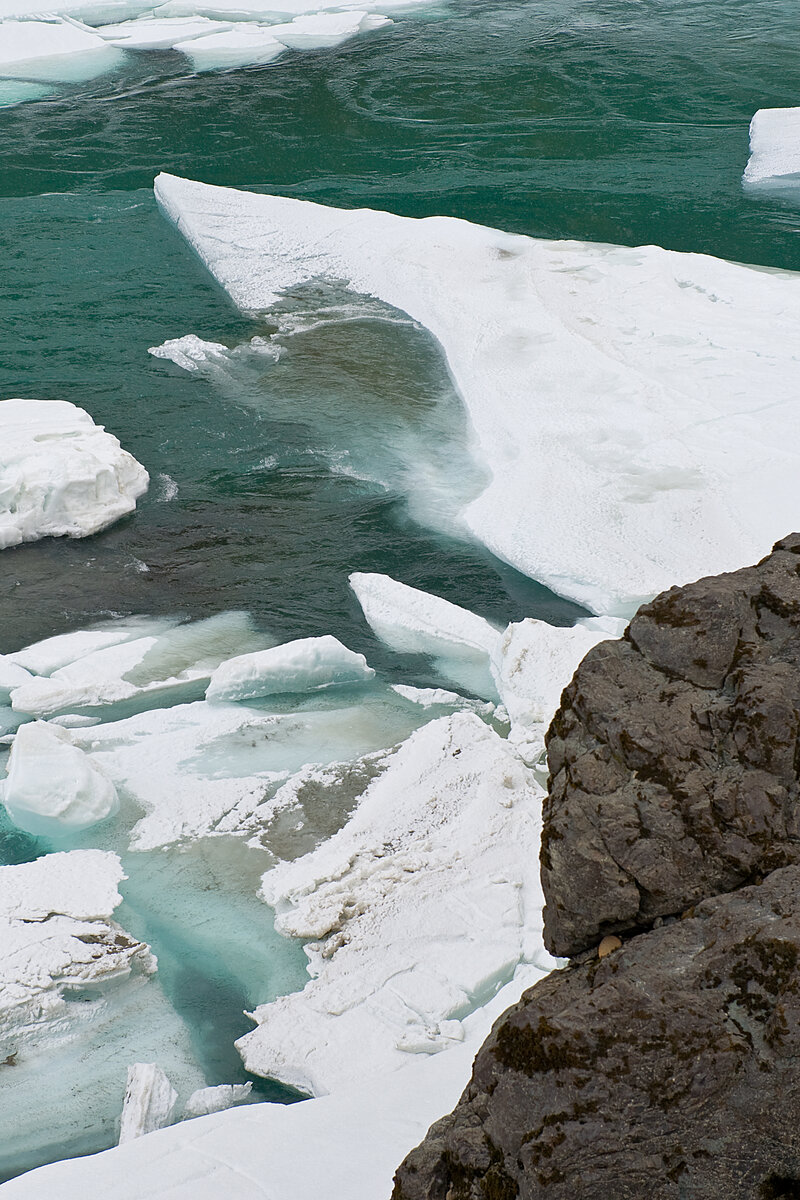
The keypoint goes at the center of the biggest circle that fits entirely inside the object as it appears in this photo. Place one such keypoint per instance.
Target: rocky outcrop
(668, 1070)
(674, 756)
(664, 1063)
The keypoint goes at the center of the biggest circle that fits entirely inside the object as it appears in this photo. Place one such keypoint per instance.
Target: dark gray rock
(669, 1070)
(674, 756)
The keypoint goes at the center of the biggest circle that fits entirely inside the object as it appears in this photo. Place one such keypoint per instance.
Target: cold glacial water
(335, 442)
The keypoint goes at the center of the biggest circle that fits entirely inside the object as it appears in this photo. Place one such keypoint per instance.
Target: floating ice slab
(774, 148)
(150, 671)
(420, 908)
(612, 391)
(52, 50)
(60, 474)
(153, 33)
(300, 666)
(12, 676)
(242, 45)
(415, 622)
(149, 1102)
(45, 657)
(323, 31)
(52, 787)
(284, 1151)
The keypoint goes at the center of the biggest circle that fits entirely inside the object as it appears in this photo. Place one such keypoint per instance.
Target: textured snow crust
(612, 391)
(299, 666)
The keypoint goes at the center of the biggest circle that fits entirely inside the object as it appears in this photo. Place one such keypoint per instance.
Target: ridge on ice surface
(612, 390)
(60, 474)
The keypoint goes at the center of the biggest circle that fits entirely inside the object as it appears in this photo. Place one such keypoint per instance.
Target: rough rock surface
(667, 1070)
(674, 756)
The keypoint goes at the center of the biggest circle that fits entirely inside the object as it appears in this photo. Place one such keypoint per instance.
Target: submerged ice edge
(597, 379)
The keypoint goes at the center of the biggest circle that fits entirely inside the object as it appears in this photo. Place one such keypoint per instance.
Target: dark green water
(623, 121)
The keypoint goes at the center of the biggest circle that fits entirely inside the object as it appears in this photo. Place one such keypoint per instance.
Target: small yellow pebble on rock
(608, 945)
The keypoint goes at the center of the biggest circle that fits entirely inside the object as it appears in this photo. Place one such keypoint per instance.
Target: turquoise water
(620, 121)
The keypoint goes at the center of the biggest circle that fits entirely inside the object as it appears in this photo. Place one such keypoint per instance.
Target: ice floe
(417, 911)
(149, 1102)
(300, 666)
(159, 33)
(242, 45)
(60, 474)
(53, 50)
(167, 665)
(411, 621)
(774, 149)
(611, 390)
(52, 787)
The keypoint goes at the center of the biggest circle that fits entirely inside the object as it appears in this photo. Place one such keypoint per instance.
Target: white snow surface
(299, 666)
(56, 932)
(242, 45)
(411, 621)
(419, 908)
(154, 33)
(149, 1102)
(282, 1152)
(612, 390)
(52, 787)
(60, 474)
(774, 148)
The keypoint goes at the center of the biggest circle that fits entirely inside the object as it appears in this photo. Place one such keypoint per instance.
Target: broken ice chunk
(299, 666)
(149, 1102)
(216, 1099)
(52, 787)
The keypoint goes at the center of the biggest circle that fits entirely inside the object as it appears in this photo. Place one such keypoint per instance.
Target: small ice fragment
(149, 1102)
(318, 31)
(245, 45)
(216, 1099)
(774, 148)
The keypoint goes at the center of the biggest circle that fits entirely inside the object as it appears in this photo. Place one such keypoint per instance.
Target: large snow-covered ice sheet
(60, 474)
(420, 907)
(612, 391)
(345, 1146)
(774, 148)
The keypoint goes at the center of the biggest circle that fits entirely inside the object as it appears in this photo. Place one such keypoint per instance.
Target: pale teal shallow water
(623, 121)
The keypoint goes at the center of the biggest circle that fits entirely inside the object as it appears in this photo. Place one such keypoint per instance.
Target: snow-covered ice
(243, 45)
(774, 149)
(611, 390)
(410, 621)
(300, 666)
(169, 664)
(278, 1152)
(53, 788)
(149, 1102)
(60, 474)
(422, 905)
(324, 31)
(158, 33)
(57, 934)
(53, 50)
